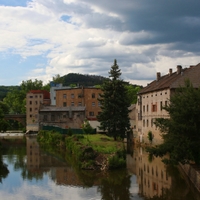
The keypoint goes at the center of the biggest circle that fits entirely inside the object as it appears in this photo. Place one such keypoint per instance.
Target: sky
(40, 39)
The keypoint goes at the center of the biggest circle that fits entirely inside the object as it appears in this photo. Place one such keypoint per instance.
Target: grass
(102, 143)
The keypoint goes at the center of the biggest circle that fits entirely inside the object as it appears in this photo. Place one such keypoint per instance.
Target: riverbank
(91, 152)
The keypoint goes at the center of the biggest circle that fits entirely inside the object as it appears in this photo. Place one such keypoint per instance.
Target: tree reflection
(115, 186)
(3, 169)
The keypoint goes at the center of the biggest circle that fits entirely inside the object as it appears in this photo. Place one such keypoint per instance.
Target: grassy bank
(97, 152)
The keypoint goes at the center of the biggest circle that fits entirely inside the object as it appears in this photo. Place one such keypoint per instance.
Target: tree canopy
(181, 132)
(16, 99)
(114, 101)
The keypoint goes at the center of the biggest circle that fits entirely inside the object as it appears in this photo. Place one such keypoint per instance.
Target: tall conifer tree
(114, 117)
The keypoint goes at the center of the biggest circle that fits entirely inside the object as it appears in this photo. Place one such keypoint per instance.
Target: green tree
(16, 99)
(132, 93)
(181, 132)
(114, 117)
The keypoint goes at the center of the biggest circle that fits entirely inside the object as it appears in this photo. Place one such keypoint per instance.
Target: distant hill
(5, 89)
(80, 79)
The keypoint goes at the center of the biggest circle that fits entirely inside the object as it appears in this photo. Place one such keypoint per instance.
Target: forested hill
(5, 89)
(80, 79)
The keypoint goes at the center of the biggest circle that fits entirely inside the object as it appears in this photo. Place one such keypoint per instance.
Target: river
(28, 173)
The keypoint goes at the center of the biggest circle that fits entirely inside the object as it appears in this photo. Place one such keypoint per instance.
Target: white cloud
(86, 36)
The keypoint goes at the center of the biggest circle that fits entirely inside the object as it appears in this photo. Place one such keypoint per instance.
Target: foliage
(50, 138)
(150, 136)
(114, 101)
(3, 109)
(16, 99)
(81, 80)
(87, 128)
(181, 132)
(4, 125)
(5, 89)
(132, 93)
(117, 161)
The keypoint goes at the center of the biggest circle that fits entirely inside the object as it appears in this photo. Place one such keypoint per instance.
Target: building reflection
(40, 162)
(152, 176)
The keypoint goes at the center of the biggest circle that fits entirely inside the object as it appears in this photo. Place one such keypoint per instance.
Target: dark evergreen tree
(181, 132)
(114, 117)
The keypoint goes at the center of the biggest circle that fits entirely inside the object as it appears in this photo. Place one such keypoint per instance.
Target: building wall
(33, 102)
(149, 107)
(63, 119)
(153, 176)
(87, 97)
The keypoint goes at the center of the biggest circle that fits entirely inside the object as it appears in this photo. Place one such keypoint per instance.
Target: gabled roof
(174, 80)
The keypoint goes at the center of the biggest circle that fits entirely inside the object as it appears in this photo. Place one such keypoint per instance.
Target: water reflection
(35, 174)
(156, 180)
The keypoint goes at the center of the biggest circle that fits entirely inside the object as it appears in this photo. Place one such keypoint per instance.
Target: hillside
(5, 89)
(80, 79)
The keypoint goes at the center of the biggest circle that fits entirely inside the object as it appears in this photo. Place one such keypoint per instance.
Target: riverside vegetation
(89, 151)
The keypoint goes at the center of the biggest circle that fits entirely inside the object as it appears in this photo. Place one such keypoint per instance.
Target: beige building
(155, 95)
(152, 177)
(34, 99)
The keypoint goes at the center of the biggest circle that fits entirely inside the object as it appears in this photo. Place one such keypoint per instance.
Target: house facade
(62, 117)
(34, 99)
(80, 96)
(157, 94)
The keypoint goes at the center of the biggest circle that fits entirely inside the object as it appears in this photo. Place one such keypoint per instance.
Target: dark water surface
(28, 173)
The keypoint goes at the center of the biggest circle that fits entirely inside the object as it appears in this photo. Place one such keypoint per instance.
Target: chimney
(179, 69)
(170, 71)
(158, 76)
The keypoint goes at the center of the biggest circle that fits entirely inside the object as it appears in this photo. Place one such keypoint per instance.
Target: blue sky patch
(22, 3)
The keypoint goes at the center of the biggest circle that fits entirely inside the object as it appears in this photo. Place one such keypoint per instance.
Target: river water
(28, 173)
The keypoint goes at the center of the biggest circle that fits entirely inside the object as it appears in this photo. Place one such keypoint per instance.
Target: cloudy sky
(42, 38)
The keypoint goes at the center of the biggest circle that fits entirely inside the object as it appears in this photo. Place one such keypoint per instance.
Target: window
(147, 122)
(93, 103)
(143, 108)
(30, 102)
(31, 97)
(79, 95)
(154, 107)
(64, 96)
(72, 103)
(147, 108)
(64, 104)
(45, 118)
(161, 105)
(79, 104)
(36, 96)
(52, 117)
(165, 103)
(93, 95)
(30, 109)
(72, 96)
(99, 103)
(36, 108)
(91, 113)
(143, 123)
(36, 102)
(30, 116)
